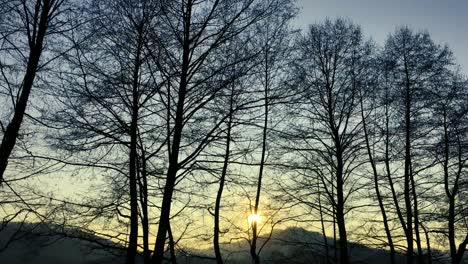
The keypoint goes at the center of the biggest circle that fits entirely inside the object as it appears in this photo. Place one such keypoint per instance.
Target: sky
(445, 20)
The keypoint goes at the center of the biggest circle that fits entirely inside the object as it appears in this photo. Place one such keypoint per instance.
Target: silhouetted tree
(273, 37)
(26, 27)
(367, 97)
(109, 82)
(450, 114)
(182, 109)
(198, 31)
(330, 59)
(415, 63)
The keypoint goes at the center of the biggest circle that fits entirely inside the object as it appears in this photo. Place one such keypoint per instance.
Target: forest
(216, 131)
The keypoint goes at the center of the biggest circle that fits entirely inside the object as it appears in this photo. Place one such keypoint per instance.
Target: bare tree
(110, 84)
(274, 34)
(198, 29)
(178, 110)
(368, 109)
(415, 63)
(26, 27)
(328, 131)
(450, 113)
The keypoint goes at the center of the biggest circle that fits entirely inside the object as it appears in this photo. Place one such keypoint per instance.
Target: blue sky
(446, 20)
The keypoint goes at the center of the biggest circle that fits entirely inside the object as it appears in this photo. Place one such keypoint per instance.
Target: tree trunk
(253, 246)
(335, 244)
(407, 172)
(461, 251)
(219, 258)
(174, 154)
(340, 214)
(324, 234)
(416, 218)
(428, 243)
(142, 181)
(456, 255)
(12, 129)
(340, 201)
(133, 237)
(387, 167)
(172, 246)
(448, 193)
(376, 186)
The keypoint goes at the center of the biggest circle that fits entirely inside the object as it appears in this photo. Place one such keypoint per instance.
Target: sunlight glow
(253, 218)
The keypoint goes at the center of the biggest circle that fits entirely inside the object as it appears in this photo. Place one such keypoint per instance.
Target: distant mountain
(52, 244)
(296, 246)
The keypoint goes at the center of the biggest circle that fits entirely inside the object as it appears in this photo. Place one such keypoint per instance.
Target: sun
(253, 218)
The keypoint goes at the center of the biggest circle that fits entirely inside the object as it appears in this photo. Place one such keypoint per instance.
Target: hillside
(296, 246)
(51, 244)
